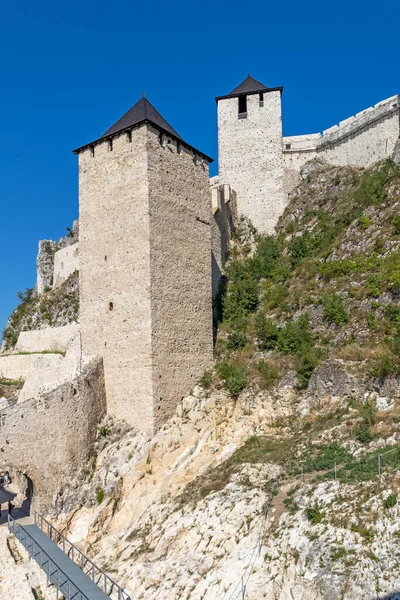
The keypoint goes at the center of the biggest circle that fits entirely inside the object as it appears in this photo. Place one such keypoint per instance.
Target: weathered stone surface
(45, 266)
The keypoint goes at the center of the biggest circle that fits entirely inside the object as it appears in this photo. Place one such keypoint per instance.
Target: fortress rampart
(52, 435)
(369, 136)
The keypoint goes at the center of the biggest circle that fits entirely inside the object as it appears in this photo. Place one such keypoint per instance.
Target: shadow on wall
(394, 596)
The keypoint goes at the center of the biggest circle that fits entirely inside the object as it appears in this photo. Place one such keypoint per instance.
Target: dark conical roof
(140, 112)
(249, 86)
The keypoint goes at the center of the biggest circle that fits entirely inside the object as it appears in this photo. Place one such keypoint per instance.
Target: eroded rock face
(333, 378)
(45, 265)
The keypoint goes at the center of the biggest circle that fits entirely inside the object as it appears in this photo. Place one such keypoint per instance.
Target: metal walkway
(68, 579)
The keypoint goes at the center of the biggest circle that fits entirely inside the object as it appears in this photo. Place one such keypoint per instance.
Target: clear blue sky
(69, 69)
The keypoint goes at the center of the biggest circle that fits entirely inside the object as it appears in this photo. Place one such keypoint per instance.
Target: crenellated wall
(361, 140)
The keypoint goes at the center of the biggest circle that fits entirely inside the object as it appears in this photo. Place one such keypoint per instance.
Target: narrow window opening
(92, 150)
(129, 136)
(288, 146)
(105, 258)
(110, 306)
(261, 99)
(110, 145)
(242, 106)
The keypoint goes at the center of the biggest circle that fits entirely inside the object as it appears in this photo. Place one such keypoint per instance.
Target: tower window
(242, 107)
(110, 306)
(129, 135)
(110, 145)
(261, 99)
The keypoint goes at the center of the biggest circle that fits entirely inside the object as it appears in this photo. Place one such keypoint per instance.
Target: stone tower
(250, 150)
(145, 264)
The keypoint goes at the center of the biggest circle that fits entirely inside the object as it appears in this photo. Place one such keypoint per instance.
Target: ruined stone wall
(251, 158)
(52, 339)
(20, 366)
(115, 271)
(224, 218)
(50, 437)
(66, 262)
(180, 266)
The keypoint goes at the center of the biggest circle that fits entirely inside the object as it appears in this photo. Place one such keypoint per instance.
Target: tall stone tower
(145, 264)
(250, 152)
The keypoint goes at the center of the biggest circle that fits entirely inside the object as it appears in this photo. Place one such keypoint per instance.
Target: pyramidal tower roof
(141, 112)
(249, 86)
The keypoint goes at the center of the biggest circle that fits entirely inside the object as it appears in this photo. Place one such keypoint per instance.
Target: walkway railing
(55, 575)
(101, 579)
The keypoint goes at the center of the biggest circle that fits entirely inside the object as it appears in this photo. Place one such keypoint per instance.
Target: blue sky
(69, 70)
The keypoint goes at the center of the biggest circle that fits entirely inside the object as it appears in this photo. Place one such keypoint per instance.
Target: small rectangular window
(242, 107)
(261, 99)
(288, 146)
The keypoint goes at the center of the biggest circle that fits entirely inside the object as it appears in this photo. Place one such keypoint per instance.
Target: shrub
(383, 366)
(269, 372)
(235, 380)
(265, 260)
(206, 380)
(241, 297)
(372, 189)
(396, 224)
(236, 340)
(104, 431)
(391, 501)
(314, 514)
(373, 286)
(99, 495)
(300, 248)
(364, 222)
(306, 368)
(363, 433)
(392, 313)
(294, 336)
(334, 309)
(267, 333)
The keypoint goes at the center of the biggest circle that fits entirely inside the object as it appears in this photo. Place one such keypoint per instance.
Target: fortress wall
(180, 266)
(20, 366)
(66, 262)
(224, 211)
(115, 271)
(297, 151)
(362, 140)
(251, 158)
(53, 339)
(67, 421)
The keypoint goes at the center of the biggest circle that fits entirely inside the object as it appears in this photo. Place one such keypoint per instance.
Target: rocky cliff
(278, 476)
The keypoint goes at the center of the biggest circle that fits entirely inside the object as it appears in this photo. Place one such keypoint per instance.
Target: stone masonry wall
(19, 366)
(361, 140)
(251, 158)
(66, 262)
(224, 218)
(180, 267)
(364, 139)
(115, 272)
(52, 339)
(64, 421)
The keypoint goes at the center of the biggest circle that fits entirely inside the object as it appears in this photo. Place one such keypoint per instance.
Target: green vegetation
(99, 495)
(391, 501)
(314, 514)
(294, 295)
(335, 310)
